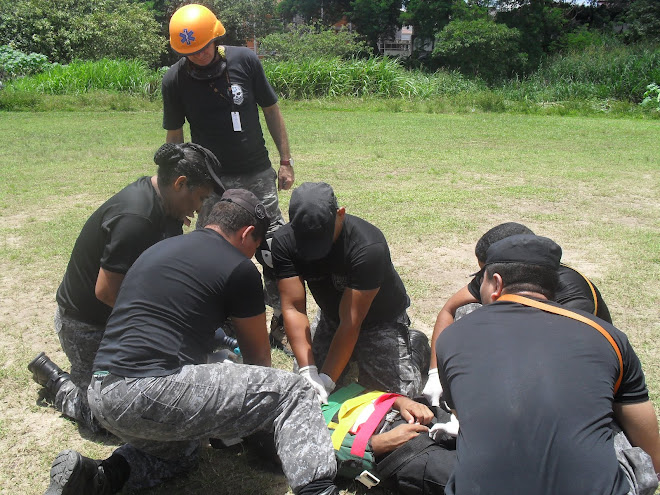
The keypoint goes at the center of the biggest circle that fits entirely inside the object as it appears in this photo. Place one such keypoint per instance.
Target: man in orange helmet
(218, 89)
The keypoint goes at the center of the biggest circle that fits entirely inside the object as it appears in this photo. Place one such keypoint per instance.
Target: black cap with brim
(212, 165)
(248, 201)
(312, 212)
(526, 249)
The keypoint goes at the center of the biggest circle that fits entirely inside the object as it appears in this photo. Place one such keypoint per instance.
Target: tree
(375, 19)
(325, 12)
(427, 17)
(303, 42)
(85, 29)
(480, 48)
(541, 25)
(644, 20)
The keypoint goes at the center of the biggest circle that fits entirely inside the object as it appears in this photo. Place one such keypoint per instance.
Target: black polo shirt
(112, 239)
(171, 302)
(533, 392)
(207, 105)
(574, 291)
(359, 259)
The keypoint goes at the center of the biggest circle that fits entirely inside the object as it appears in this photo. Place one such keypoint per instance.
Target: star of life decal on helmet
(237, 94)
(187, 36)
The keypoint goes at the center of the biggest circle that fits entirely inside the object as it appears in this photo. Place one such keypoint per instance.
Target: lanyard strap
(575, 316)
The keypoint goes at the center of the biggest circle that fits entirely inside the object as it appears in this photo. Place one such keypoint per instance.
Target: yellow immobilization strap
(347, 415)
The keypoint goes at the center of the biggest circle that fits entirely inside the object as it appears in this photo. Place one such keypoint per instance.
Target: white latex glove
(451, 428)
(433, 390)
(311, 374)
(327, 383)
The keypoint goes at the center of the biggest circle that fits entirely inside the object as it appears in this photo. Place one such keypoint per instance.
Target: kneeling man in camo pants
(152, 387)
(345, 262)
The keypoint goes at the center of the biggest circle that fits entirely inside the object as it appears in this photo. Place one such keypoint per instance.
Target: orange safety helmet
(192, 27)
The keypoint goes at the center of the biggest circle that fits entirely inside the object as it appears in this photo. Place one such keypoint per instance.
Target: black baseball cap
(212, 165)
(527, 249)
(312, 212)
(248, 201)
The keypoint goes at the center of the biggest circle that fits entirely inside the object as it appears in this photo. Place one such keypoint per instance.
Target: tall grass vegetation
(599, 79)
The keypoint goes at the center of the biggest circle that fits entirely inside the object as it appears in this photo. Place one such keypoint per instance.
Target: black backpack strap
(401, 456)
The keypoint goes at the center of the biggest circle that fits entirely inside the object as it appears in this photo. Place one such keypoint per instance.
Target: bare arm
(353, 308)
(296, 323)
(252, 338)
(395, 438)
(446, 317)
(640, 425)
(277, 129)
(175, 136)
(107, 286)
(413, 411)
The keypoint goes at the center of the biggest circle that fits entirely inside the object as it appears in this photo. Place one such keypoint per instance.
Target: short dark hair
(498, 233)
(231, 217)
(205, 210)
(175, 160)
(518, 277)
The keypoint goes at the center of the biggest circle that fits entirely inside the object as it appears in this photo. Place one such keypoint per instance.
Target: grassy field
(432, 182)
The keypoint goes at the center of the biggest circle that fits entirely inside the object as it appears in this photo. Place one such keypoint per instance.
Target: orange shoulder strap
(570, 314)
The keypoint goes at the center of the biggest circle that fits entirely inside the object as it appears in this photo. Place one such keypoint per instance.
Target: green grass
(432, 182)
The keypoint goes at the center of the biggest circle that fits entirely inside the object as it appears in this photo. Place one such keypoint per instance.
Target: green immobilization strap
(336, 400)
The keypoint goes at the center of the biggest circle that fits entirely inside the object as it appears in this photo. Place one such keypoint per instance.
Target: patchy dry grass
(432, 183)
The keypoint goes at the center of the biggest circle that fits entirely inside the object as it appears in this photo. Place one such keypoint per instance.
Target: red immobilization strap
(382, 405)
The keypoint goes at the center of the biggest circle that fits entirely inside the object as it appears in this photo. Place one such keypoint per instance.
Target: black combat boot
(73, 474)
(47, 374)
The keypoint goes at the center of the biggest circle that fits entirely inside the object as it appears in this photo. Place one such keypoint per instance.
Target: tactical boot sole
(65, 474)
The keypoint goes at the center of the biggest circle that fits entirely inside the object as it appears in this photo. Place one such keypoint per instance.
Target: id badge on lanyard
(236, 121)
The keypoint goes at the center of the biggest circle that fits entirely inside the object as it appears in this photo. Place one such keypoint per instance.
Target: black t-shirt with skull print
(236, 140)
(359, 259)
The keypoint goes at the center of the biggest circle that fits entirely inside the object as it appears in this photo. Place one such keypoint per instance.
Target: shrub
(583, 38)
(308, 42)
(65, 30)
(480, 48)
(652, 97)
(601, 72)
(14, 63)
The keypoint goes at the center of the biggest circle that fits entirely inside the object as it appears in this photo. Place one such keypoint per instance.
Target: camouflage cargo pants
(163, 419)
(635, 464)
(383, 354)
(264, 186)
(80, 342)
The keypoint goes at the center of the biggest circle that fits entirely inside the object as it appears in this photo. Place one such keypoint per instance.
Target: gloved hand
(327, 383)
(451, 428)
(311, 374)
(433, 390)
